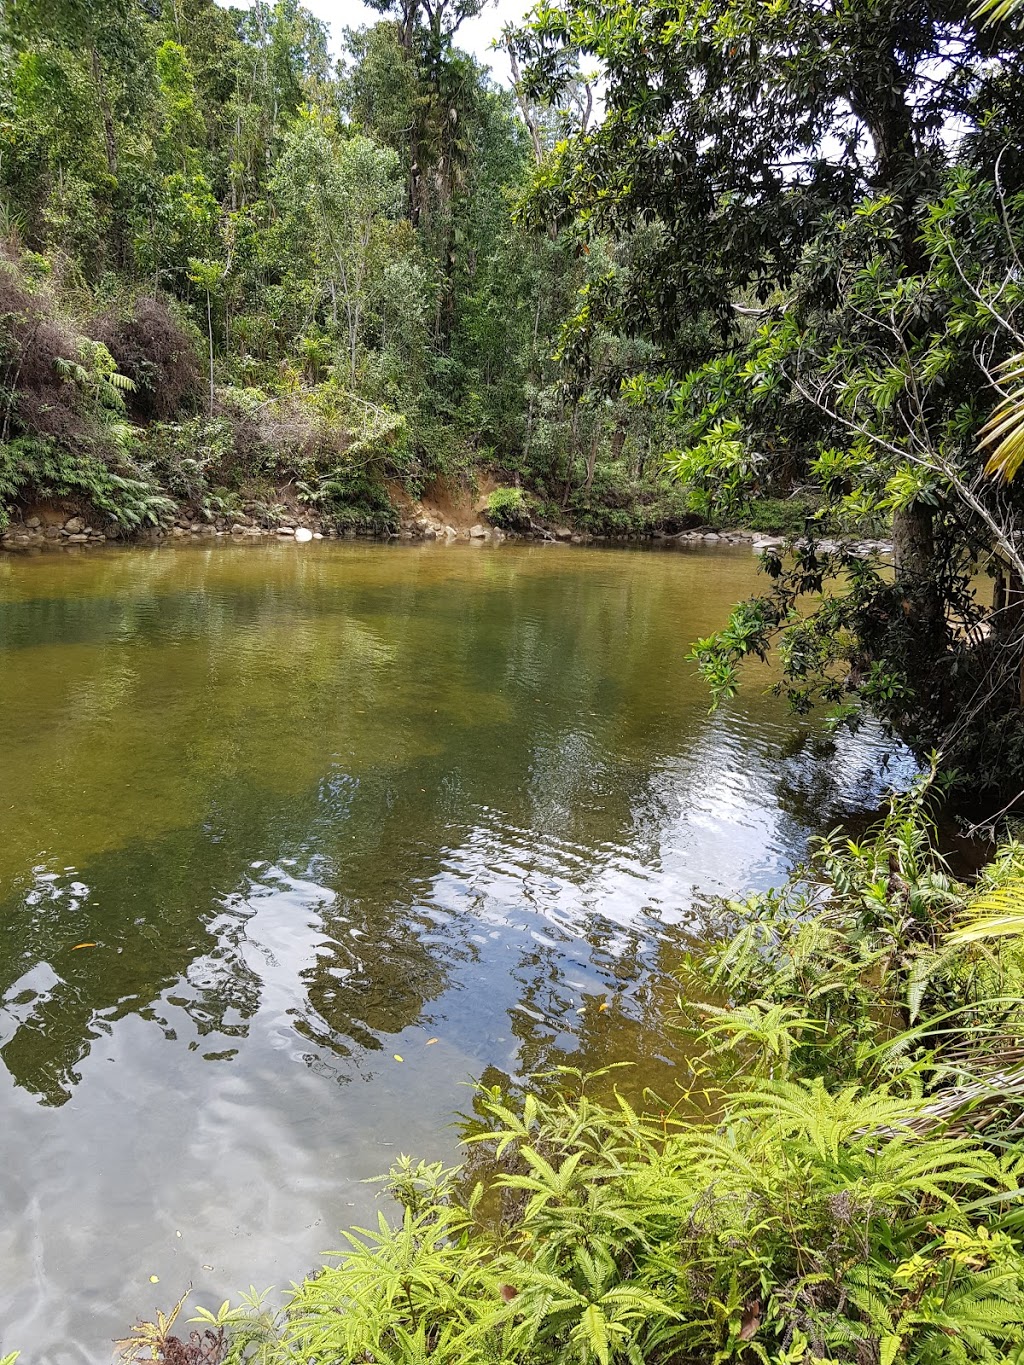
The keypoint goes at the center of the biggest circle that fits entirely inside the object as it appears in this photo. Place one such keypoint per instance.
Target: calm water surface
(315, 806)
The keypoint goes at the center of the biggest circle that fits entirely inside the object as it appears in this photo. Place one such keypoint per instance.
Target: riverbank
(316, 806)
(834, 1176)
(51, 525)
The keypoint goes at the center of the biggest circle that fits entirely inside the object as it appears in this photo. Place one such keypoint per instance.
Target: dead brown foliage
(35, 398)
(153, 349)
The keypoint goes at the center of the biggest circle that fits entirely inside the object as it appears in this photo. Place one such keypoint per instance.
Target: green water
(316, 806)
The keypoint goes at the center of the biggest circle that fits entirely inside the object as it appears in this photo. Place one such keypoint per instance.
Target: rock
(78, 537)
(477, 532)
(52, 533)
(74, 525)
(430, 533)
(32, 523)
(303, 533)
(286, 530)
(563, 533)
(710, 535)
(238, 529)
(318, 535)
(207, 530)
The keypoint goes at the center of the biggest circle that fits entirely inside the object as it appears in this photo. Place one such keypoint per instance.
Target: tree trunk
(913, 551)
(110, 141)
(209, 330)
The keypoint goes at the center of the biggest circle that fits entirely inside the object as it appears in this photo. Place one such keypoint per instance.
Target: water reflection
(315, 806)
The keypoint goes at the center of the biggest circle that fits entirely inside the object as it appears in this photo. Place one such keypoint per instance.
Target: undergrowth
(841, 1181)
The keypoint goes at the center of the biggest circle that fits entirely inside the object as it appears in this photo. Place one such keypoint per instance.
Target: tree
(337, 193)
(794, 163)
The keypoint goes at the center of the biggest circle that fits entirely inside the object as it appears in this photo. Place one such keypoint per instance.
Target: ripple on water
(318, 806)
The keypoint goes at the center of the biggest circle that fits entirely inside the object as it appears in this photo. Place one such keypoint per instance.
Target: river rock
(286, 530)
(477, 532)
(32, 523)
(74, 525)
(711, 535)
(563, 533)
(303, 533)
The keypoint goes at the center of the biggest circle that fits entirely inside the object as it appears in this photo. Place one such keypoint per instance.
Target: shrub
(507, 508)
(804, 1225)
(154, 350)
(832, 1192)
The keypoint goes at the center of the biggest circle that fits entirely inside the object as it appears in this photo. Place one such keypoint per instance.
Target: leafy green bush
(129, 499)
(629, 507)
(833, 1191)
(803, 1225)
(777, 516)
(507, 508)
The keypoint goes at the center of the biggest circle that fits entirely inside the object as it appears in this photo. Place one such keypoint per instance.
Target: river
(295, 840)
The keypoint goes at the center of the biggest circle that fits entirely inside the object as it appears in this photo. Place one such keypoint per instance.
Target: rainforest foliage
(233, 263)
(838, 1176)
(700, 260)
(822, 211)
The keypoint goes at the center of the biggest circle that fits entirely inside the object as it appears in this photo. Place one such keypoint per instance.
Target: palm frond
(999, 912)
(993, 11)
(1004, 430)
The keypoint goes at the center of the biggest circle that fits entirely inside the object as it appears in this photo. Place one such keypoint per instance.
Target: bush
(848, 1199)
(128, 500)
(153, 349)
(507, 508)
(804, 1225)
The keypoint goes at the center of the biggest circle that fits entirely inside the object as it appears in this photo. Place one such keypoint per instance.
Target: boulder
(74, 526)
(563, 533)
(478, 532)
(32, 523)
(303, 533)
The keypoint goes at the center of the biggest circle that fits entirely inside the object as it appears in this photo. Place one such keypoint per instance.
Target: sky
(475, 36)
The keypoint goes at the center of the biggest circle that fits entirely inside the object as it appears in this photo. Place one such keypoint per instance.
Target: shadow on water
(316, 809)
